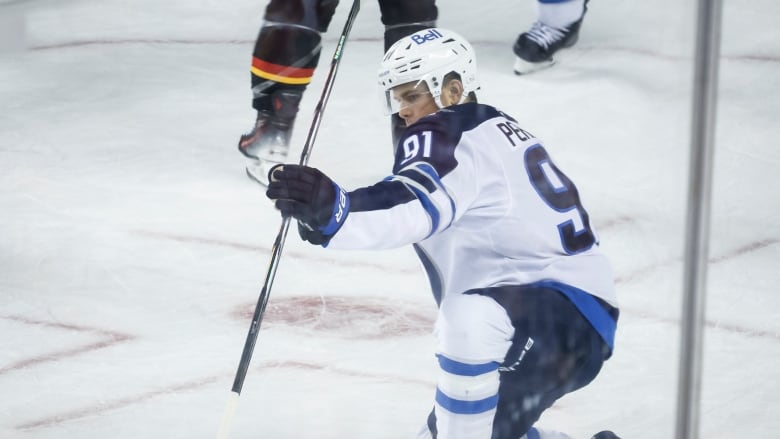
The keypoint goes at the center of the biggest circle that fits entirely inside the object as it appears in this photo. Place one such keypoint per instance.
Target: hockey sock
(285, 56)
(559, 14)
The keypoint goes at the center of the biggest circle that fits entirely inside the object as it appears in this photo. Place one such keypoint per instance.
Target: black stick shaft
(276, 251)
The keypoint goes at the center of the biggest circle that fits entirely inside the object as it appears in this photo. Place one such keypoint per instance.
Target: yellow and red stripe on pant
(280, 73)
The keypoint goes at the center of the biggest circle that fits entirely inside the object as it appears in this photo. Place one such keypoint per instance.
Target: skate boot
(605, 435)
(534, 49)
(265, 146)
(269, 141)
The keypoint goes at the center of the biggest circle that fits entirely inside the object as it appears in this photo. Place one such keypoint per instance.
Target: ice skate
(534, 49)
(269, 141)
(265, 146)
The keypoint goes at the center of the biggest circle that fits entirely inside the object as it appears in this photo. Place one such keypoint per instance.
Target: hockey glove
(309, 196)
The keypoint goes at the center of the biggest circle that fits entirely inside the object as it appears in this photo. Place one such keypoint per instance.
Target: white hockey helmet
(427, 55)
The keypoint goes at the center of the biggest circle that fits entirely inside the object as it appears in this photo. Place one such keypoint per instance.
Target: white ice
(133, 247)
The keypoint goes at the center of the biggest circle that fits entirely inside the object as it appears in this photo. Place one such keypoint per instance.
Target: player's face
(414, 101)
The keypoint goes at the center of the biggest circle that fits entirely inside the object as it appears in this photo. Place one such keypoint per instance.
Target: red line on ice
(110, 338)
(84, 412)
(740, 251)
(749, 248)
(111, 405)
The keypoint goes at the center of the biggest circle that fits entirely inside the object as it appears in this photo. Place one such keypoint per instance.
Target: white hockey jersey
(484, 205)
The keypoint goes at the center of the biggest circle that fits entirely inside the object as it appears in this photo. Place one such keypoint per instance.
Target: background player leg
(285, 56)
(557, 27)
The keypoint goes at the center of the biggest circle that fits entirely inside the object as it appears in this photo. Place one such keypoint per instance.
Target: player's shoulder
(457, 119)
(449, 124)
(436, 137)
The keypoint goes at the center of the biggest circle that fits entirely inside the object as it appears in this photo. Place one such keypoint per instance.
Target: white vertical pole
(705, 90)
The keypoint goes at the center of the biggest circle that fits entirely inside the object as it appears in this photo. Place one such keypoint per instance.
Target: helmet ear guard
(428, 56)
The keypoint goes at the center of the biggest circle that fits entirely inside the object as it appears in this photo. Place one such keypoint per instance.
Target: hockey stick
(276, 250)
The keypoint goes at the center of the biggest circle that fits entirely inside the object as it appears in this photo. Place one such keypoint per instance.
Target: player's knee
(472, 328)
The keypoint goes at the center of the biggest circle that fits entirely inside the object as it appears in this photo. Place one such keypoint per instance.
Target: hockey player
(527, 306)
(286, 53)
(557, 27)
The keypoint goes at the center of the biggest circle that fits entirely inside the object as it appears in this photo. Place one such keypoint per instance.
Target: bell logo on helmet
(432, 34)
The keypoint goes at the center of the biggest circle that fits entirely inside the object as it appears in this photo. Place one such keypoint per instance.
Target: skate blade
(523, 67)
(257, 171)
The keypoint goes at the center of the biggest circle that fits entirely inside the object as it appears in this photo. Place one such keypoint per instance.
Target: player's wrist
(339, 212)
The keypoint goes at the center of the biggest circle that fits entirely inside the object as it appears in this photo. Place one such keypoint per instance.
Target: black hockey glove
(309, 196)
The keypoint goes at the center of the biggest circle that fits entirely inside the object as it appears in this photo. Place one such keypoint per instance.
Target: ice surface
(133, 247)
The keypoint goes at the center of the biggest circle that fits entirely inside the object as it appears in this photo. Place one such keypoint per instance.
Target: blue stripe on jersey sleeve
(461, 407)
(429, 207)
(426, 176)
(464, 369)
(428, 169)
(422, 178)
